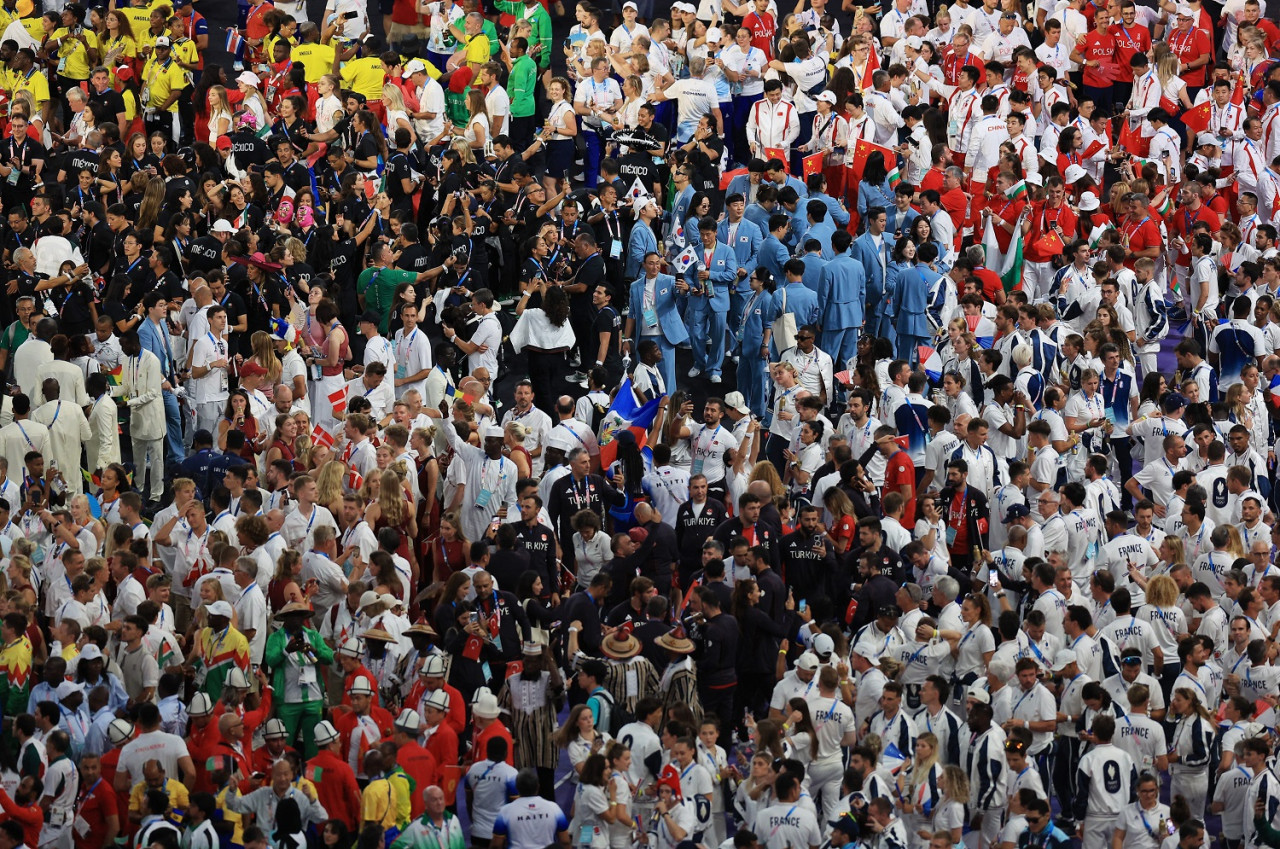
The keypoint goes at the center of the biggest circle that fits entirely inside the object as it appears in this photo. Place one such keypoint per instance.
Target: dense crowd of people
(797, 427)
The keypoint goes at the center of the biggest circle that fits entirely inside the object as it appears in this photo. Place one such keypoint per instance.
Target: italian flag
(895, 177)
(1017, 190)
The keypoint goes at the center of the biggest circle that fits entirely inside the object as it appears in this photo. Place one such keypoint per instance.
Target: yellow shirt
(130, 104)
(73, 57)
(269, 45)
(124, 48)
(179, 798)
(139, 18)
(33, 81)
(317, 59)
(34, 28)
(161, 79)
(365, 76)
(185, 50)
(236, 820)
(478, 49)
(70, 653)
(378, 803)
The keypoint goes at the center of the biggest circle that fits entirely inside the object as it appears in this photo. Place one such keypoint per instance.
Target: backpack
(618, 715)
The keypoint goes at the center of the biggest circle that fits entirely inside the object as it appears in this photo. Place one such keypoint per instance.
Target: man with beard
(695, 522)
(807, 560)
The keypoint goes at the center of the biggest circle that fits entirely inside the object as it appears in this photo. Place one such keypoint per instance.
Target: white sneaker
(695, 371)
(715, 378)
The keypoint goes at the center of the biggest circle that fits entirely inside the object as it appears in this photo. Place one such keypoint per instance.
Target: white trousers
(148, 455)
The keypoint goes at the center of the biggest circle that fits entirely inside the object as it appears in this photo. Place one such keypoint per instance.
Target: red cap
(223, 143)
(250, 369)
(460, 79)
(638, 535)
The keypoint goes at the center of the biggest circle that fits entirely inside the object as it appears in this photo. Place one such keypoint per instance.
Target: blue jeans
(841, 344)
(909, 348)
(753, 376)
(706, 324)
(173, 425)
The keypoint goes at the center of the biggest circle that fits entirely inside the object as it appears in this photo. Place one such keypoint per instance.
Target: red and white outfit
(1271, 133)
(771, 125)
(1145, 97)
(963, 113)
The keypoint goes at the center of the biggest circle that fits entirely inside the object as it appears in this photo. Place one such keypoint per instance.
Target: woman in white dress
(397, 112)
(219, 113)
(477, 130)
(580, 738)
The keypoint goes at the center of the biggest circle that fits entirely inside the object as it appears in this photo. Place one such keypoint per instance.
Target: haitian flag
(622, 414)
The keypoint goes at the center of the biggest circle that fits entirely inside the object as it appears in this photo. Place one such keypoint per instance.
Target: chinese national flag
(863, 149)
(813, 164)
(1197, 119)
(1131, 137)
(1237, 94)
(778, 153)
(1050, 244)
(727, 177)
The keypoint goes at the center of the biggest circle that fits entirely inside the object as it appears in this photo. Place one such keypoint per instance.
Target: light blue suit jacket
(664, 304)
(724, 273)
(642, 241)
(746, 247)
(798, 185)
(813, 266)
(740, 184)
(835, 211)
(823, 231)
(864, 251)
(759, 216)
(773, 256)
(843, 291)
(910, 299)
(800, 301)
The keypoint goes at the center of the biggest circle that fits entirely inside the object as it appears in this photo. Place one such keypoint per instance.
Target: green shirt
(14, 335)
(455, 106)
(378, 288)
(492, 31)
(541, 23)
(521, 85)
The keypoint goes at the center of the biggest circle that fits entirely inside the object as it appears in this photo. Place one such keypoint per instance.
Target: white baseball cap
(823, 644)
(630, 4)
(808, 662)
(826, 97)
(222, 225)
(914, 42)
(1207, 138)
(249, 78)
(220, 608)
(414, 66)
(1063, 658)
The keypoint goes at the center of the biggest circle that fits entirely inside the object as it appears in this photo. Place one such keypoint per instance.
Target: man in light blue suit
(745, 238)
(899, 219)
(776, 171)
(642, 240)
(707, 284)
(653, 315)
(796, 298)
(766, 205)
(813, 263)
(941, 297)
(874, 252)
(792, 204)
(748, 184)
(842, 290)
(773, 250)
(817, 185)
(821, 227)
(683, 180)
(911, 324)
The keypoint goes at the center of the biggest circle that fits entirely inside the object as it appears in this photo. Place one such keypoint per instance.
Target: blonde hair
(393, 98)
(329, 482)
(391, 498)
(955, 783)
(1162, 591)
(221, 102)
(264, 351)
(765, 471)
(518, 432)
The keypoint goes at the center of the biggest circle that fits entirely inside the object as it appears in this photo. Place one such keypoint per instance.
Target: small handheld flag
(685, 259)
(339, 401)
(778, 153)
(813, 164)
(1197, 119)
(320, 436)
